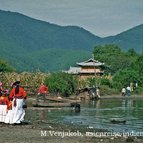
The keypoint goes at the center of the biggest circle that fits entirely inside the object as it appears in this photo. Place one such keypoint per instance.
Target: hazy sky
(100, 17)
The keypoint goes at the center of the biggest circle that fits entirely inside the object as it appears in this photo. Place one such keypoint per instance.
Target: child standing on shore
(123, 92)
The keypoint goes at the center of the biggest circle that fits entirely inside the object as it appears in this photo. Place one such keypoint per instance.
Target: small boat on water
(62, 100)
(52, 104)
(118, 121)
(58, 102)
(74, 105)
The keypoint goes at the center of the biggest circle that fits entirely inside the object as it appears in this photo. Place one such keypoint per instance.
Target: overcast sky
(100, 17)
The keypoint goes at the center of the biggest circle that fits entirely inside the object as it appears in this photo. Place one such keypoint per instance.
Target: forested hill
(132, 38)
(30, 44)
(33, 44)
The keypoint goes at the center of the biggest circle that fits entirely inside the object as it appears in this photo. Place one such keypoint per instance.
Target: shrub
(106, 90)
(105, 81)
(61, 83)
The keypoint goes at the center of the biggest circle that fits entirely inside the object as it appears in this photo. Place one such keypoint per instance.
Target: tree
(132, 53)
(112, 56)
(139, 64)
(124, 77)
(62, 83)
(5, 67)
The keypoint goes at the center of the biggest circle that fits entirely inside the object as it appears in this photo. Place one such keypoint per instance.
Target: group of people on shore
(127, 90)
(11, 104)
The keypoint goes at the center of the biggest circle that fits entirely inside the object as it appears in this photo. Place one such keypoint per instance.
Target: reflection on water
(97, 114)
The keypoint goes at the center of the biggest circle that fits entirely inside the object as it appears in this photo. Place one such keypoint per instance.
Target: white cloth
(128, 88)
(9, 117)
(123, 90)
(3, 112)
(16, 115)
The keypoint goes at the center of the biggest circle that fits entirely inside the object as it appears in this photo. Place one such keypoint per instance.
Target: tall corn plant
(28, 79)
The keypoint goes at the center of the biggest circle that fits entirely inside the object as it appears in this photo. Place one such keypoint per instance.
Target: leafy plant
(5, 67)
(62, 83)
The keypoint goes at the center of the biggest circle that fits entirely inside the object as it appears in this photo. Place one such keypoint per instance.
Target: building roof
(90, 72)
(74, 70)
(90, 62)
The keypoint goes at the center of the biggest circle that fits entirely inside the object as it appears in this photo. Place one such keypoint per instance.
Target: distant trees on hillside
(5, 66)
(125, 67)
(113, 56)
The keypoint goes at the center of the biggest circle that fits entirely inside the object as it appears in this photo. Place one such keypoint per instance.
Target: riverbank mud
(59, 133)
(39, 130)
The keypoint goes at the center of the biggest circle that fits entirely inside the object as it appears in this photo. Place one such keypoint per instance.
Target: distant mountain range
(30, 44)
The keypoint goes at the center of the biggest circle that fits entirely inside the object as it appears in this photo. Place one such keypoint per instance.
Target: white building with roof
(89, 68)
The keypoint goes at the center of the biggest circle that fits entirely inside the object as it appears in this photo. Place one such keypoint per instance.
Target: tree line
(122, 66)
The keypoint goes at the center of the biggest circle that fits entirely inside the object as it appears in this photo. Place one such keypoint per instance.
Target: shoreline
(60, 133)
(49, 131)
(80, 97)
(121, 97)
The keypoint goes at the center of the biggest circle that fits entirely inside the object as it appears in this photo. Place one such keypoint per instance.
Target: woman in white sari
(17, 95)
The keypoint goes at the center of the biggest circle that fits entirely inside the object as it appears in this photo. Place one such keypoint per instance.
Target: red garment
(43, 89)
(9, 106)
(4, 100)
(21, 93)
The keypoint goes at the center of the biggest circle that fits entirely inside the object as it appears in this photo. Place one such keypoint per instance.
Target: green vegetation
(62, 83)
(29, 44)
(131, 38)
(30, 80)
(58, 83)
(113, 57)
(124, 67)
(5, 67)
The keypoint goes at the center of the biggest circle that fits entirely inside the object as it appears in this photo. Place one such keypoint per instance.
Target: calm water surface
(97, 114)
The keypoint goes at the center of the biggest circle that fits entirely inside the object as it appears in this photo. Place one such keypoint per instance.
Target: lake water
(97, 114)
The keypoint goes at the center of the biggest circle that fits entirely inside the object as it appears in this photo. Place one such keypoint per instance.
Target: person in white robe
(17, 95)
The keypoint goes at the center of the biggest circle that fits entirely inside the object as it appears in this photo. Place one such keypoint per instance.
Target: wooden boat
(62, 100)
(54, 104)
(74, 105)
